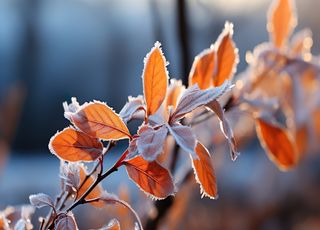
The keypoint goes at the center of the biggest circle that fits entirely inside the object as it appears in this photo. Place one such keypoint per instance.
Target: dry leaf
(150, 142)
(150, 177)
(184, 138)
(98, 120)
(72, 145)
(95, 193)
(203, 69)
(281, 21)
(278, 144)
(204, 172)
(193, 97)
(155, 79)
(65, 222)
(227, 56)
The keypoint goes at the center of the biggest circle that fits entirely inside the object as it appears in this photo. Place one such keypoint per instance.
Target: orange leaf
(95, 193)
(204, 172)
(100, 121)
(203, 69)
(281, 21)
(150, 177)
(155, 79)
(227, 56)
(72, 145)
(278, 144)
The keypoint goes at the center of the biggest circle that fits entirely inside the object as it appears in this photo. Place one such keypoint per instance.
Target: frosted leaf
(41, 200)
(184, 138)
(194, 97)
(70, 174)
(65, 222)
(70, 108)
(225, 127)
(131, 108)
(150, 142)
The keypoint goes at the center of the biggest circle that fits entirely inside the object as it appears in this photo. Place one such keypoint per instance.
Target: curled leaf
(150, 177)
(131, 108)
(227, 56)
(193, 97)
(150, 142)
(281, 21)
(41, 200)
(72, 145)
(204, 172)
(184, 138)
(98, 120)
(155, 79)
(278, 144)
(225, 127)
(65, 222)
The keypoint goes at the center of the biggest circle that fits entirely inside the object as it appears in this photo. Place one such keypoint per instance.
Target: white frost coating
(151, 141)
(41, 200)
(70, 108)
(194, 97)
(132, 107)
(70, 174)
(184, 138)
(65, 222)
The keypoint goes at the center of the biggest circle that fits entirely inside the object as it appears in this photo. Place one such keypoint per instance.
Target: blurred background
(94, 49)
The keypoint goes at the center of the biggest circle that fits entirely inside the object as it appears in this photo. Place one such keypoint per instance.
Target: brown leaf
(95, 193)
(150, 142)
(150, 177)
(281, 21)
(65, 222)
(225, 127)
(98, 120)
(204, 172)
(277, 143)
(193, 97)
(155, 79)
(227, 56)
(203, 68)
(72, 145)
